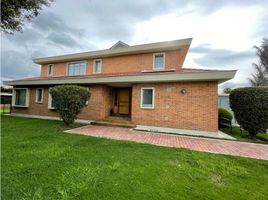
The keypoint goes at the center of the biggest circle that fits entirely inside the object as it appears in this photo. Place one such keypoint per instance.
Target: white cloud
(226, 28)
(230, 28)
(221, 25)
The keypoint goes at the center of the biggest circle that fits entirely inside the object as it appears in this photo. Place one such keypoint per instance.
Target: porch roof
(182, 75)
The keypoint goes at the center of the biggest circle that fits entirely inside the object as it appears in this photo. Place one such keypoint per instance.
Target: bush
(223, 113)
(250, 107)
(69, 100)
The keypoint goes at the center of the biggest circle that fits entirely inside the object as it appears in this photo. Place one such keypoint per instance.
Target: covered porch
(119, 105)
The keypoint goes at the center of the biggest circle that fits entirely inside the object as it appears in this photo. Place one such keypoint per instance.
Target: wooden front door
(124, 101)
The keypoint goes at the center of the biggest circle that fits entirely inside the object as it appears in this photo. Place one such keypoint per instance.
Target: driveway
(244, 149)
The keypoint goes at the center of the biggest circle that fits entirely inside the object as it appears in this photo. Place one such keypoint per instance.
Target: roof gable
(119, 44)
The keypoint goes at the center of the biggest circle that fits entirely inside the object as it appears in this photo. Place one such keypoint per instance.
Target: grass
(4, 110)
(40, 161)
(244, 137)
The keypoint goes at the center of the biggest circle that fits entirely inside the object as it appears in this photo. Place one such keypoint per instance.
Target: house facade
(145, 83)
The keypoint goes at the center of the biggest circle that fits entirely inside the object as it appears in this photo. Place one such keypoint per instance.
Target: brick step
(110, 123)
(118, 119)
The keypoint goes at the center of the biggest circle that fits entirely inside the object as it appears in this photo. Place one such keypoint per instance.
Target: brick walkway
(243, 149)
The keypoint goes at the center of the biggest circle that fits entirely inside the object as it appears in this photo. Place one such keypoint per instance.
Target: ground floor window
(21, 97)
(39, 95)
(51, 103)
(147, 98)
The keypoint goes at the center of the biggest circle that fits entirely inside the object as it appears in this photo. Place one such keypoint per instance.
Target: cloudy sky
(223, 31)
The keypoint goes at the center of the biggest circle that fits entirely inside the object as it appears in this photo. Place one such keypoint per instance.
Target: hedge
(250, 107)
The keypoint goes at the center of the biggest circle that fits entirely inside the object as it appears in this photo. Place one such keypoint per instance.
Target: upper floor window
(159, 61)
(20, 97)
(50, 70)
(39, 95)
(77, 68)
(97, 66)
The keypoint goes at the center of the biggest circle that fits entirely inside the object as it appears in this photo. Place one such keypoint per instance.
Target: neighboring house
(143, 82)
(224, 102)
(6, 100)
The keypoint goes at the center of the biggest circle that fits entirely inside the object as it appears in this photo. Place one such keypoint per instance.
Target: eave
(219, 76)
(137, 49)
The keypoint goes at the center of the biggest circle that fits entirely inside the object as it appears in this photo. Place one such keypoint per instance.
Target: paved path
(243, 149)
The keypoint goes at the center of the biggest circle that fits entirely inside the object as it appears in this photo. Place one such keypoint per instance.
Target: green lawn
(4, 110)
(244, 137)
(40, 161)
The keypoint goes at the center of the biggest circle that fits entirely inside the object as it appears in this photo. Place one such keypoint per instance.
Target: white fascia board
(220, 76)
(144, 48)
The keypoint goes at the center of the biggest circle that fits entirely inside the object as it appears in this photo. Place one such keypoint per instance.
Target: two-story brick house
(144, 82)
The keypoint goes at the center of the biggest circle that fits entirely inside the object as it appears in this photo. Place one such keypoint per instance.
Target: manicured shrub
(69, 100)
(250, 107)
(223, 113)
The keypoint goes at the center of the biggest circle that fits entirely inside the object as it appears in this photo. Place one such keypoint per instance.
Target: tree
(69, 101)
(250, 107)
(227, 90)
(260, 78)
(6, 89)
(15, 12)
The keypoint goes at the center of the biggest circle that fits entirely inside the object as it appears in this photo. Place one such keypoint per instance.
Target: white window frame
(81, 61)
(36, 95)
(50, 100)
(52, 69)
(164, 58)
(26, 100)
(94, 66)
(141, 98)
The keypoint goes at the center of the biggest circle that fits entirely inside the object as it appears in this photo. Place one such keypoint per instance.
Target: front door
(124, 101)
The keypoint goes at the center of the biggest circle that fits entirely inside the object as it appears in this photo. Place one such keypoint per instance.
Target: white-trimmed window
(147, 97)
(50, 68)
(50, 101)
(97, 66)
(158, 61)
(76, 68)
(20, 97)
(39, 95)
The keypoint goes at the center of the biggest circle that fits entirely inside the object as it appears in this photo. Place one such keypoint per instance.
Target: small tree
(223, 113)
(250, 107)
(227, 90)
(69, 101)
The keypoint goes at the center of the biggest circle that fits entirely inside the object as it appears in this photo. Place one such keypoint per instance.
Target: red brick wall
(36, 108)
(127, 63)
(99, 105)
(97, 108)
(196, 110)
